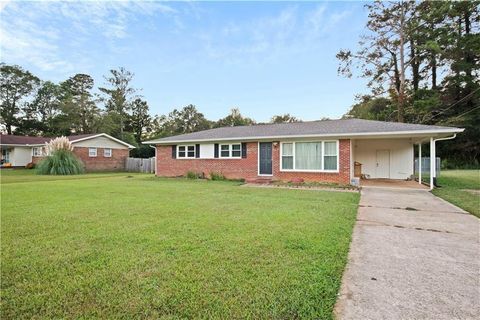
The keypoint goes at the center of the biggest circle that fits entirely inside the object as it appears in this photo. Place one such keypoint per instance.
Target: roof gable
(31, 141)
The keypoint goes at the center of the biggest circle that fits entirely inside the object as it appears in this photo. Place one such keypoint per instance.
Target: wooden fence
(140, 165)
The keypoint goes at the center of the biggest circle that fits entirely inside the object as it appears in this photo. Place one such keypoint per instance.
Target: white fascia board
(397, 134)
(104, 135)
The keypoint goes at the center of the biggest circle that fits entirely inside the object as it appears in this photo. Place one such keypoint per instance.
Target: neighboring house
(314, 151)
(97, 151)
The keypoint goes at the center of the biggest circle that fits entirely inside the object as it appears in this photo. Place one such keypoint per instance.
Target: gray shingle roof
(29, 140)
(311, 128)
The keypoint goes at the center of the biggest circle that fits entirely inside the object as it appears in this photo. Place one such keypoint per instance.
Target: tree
(382, 54)
(372, 108)
(119, 96)
(284, 118)
(77, 103)
(15, 85)
(235, 118)
(441, 83)
(140, 120)
(39, 115)
(182, 121)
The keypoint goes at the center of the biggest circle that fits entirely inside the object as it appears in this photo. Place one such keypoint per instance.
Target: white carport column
(432, 163)
(419, 163)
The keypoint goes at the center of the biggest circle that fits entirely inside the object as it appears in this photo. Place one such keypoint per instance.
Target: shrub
(142, 151)
(60, 162)
(217, 176)
(194, 175)
(30, 165)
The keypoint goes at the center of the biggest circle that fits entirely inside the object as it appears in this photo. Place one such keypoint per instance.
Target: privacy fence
(140, 165)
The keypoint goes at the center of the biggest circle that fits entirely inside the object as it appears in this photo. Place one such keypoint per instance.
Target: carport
(388, 160)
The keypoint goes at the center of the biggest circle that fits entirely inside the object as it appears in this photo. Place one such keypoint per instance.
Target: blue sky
(265, 58)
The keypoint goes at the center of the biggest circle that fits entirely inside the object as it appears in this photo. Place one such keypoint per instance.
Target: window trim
(230, 151)
(37, 155)
(186, 151)
(323, 157)
(111, 152)
(90, 154)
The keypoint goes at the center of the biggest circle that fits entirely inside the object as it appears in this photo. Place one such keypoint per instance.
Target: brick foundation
(247, 168)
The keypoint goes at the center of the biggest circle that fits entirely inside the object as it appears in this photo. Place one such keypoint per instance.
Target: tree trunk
(468, 56)
(401, 93)
(396, 73)
(415, 66)
(433, 67)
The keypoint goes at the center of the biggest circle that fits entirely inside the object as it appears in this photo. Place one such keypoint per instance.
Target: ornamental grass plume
(60, 143)
(60, 159)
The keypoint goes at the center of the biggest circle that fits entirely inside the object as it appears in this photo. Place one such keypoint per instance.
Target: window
(92, 152)
(181, 151)
(230, 150)
(287, 156)
(186, 151)
(236, 150)
(330, 155)
(225, 150)
(107, 153)
(37, 151)
(191, 152)
(310, 156)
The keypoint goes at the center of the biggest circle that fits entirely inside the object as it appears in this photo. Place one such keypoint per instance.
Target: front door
(383, 164)
(265, 159)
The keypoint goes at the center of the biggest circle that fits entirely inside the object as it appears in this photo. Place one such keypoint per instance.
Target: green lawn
(457, 187)
(114, 246)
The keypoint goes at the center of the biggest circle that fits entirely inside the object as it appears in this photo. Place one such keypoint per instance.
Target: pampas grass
(60, 159)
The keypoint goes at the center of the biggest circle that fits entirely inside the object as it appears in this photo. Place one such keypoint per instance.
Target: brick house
(324, 151)
(98, 152)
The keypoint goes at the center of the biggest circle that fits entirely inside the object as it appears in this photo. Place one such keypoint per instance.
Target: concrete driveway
(413, 256)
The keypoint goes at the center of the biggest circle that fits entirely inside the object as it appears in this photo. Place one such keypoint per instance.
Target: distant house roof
(35, 141)
(323, 128)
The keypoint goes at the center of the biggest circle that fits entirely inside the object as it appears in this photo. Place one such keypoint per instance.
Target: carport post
(432, 163)
(419, 163)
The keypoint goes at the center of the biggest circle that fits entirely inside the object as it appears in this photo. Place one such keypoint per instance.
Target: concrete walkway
(413, 256)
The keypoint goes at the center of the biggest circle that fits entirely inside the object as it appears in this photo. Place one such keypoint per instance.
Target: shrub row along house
(98, 152)
(323, 151)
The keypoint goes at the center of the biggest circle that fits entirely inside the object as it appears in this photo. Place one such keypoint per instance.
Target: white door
(383, 164)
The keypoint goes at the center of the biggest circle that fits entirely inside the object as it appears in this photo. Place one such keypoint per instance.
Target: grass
(454, 185)
(109, 246)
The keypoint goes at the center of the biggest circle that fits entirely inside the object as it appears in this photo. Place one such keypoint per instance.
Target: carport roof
(322, 128)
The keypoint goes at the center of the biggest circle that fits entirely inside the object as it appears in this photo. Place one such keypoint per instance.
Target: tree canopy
(421, 60)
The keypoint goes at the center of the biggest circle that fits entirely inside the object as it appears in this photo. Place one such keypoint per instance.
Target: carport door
(383, 164)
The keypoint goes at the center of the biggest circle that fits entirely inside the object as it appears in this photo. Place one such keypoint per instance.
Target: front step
(259, 180)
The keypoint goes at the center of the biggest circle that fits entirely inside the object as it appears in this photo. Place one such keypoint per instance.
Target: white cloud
(36, 32)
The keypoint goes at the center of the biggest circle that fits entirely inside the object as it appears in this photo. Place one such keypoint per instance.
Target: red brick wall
(100, 163)
(36, 159)
(248, 168)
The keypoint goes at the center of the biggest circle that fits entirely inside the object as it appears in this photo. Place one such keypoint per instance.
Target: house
(97, 151)
(323, 151)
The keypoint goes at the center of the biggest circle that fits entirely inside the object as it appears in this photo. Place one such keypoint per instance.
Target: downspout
(433, 162)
